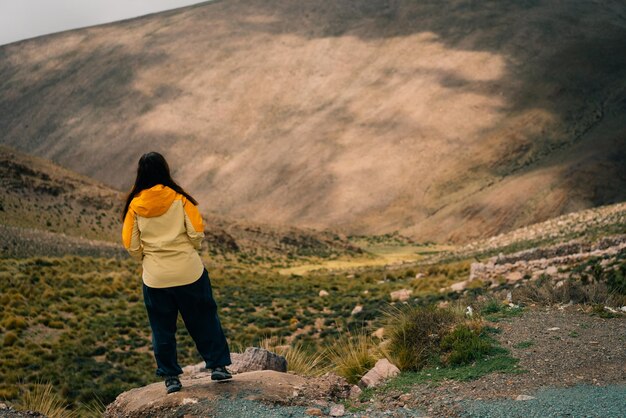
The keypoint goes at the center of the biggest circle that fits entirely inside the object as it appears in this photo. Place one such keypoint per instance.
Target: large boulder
(203, 397)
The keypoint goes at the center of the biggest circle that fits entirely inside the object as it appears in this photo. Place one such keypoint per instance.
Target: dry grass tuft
(299, 360)
(354, 355)
(43, 399)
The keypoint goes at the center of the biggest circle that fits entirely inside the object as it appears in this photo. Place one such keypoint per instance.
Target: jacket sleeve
(193, 224)
(131, 237)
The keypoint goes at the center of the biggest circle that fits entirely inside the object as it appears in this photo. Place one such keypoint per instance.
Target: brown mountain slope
(441, 119)
(46, 210)
(36, 194)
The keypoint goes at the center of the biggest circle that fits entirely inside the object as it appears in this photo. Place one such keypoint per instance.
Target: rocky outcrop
(255, 358)
(554, 261)
(199, 397)
(258, 392)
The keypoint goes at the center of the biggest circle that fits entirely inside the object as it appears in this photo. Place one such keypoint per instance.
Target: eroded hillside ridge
(442, 120)
(557, 262)
(36, 194)
(589, 223)
(46, 210)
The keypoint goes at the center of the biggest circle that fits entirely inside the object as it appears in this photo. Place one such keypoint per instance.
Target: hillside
(46, 210)
(37, 194)
(442, 120)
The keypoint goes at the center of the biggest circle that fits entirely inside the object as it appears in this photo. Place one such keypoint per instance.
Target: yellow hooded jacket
(164, 230)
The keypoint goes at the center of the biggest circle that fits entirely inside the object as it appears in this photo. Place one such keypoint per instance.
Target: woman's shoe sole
(220, 377)
(174, 389)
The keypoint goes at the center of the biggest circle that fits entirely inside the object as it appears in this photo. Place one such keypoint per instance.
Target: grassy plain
(80, 324)
(376, 255)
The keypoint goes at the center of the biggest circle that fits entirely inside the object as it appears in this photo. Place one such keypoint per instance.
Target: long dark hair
(152, 170)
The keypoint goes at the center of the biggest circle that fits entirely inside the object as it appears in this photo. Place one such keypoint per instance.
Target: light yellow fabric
(164, 230)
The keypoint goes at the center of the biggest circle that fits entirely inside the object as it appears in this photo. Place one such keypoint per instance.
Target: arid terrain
(435, 186)
(441, 120)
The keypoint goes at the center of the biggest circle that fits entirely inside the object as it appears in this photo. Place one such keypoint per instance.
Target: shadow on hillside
(97, 103)
(567, 59)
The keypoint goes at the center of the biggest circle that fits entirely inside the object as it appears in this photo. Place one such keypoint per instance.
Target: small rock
(514, 276)
(323, 293)
(355, 392)
(460, 286)
(554, 329)
(314, 412)
(337, 410)
(443, 304)
(524, 398)
(477, 270)
(405, 397)
(255, 358)
(623, 309)
(383, 369)
(552, 270)
(379, 333)
(401, 295)
(357, 309)
(189, 401)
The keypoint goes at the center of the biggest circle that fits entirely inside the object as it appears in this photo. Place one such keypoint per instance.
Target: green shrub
(15, 322)
(10, 338)
(465, 345)
(415, 334)
(616, 279)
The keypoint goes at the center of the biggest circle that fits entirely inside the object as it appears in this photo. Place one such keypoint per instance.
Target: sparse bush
(546, 292)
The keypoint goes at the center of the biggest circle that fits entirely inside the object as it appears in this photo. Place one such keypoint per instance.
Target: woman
(163, 229)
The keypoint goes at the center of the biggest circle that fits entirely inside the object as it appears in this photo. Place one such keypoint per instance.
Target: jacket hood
(154, 201)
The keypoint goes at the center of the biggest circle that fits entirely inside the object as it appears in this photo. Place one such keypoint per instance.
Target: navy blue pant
(199, 311)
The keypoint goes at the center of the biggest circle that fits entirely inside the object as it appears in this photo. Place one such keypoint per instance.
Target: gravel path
(579, 401)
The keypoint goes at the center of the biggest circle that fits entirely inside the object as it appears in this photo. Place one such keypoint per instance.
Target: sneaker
(172, 384)
(220, 373)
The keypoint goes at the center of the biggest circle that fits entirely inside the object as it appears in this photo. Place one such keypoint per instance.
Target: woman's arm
(193, 223)
(130, 235)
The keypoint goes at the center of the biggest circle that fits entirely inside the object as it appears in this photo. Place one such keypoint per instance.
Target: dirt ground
(556, 347)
